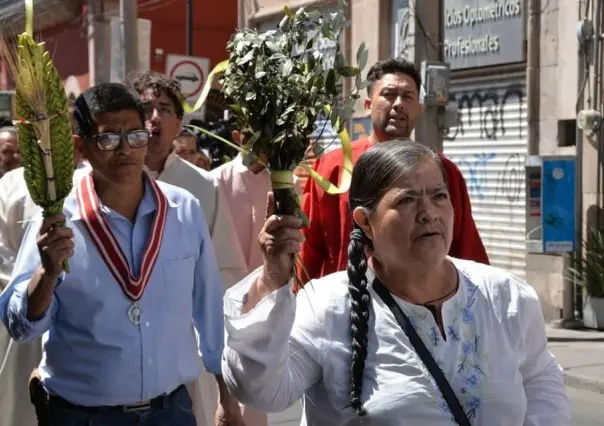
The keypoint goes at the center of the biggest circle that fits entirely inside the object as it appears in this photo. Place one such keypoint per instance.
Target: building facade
(502, 119)
(487, 44)
(82, 35)
(484, 43)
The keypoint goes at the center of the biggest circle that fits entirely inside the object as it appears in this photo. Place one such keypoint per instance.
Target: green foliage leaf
(330, 81)
(590, 270)
(248, 57)
(349, 71)
(288, 67)
(340, 61)
(283, 25)
(362, 56)
(282, 81)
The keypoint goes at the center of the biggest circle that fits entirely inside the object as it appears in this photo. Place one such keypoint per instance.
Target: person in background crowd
(9, 150)
(187, 147)
(407, 335)
(142, 269)
(393, 103)
(203, 159)
(17, 361)
(245, 188)
(162, 101)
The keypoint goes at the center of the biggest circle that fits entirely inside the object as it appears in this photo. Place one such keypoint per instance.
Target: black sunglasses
(110, 141)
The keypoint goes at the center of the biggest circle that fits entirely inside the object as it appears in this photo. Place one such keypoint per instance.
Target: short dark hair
(189, 131)
(393, 66)
(104, 97)
(159, 83)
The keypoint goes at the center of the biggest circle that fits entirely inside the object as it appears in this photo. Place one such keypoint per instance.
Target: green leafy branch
(280, 84)
(589, 271)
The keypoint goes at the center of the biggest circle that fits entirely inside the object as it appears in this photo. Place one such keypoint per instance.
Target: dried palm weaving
(42, 121)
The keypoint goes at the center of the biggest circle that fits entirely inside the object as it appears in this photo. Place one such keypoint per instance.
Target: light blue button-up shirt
(93, 354)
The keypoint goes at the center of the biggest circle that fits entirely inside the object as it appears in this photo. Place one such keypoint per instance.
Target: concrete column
(425, 25)
(128, 15)
(367, 17)
(99, 42)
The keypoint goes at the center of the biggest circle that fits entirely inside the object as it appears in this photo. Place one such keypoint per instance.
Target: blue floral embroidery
(466, 314)
(468, 349)
(444, 407)
(452, 333)
(413, 321)
(471, 375)
(473, 405)
(435, 335)
(472, 380)
(469, 381)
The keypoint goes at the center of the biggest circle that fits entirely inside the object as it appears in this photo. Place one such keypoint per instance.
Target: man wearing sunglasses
(118, 346)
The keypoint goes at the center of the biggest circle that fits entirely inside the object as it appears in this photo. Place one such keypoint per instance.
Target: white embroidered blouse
(494, 355)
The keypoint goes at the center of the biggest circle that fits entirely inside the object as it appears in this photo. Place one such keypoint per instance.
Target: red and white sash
(107, 245)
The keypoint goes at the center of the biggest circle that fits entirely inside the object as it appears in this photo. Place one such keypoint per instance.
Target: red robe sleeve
(466, 242)
(313, 250)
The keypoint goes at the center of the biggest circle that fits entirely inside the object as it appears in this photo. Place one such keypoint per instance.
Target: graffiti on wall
(486, 108)
(490, 114)
(508, 183)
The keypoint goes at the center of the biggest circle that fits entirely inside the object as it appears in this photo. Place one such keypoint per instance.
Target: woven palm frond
(42, 120)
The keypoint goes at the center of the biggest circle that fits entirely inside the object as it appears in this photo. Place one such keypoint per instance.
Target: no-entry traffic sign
(190, 71)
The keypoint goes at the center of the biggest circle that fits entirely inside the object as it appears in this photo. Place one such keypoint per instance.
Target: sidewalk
(581, 354)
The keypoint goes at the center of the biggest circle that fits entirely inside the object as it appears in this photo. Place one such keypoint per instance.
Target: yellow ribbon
(29, 17)
(325, 184)
(282, 179)
(221, 67)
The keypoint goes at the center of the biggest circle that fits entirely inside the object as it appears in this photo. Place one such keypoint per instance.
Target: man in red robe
(393, 103)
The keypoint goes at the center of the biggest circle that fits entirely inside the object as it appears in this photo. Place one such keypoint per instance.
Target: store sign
(558, 204)
(479, 33)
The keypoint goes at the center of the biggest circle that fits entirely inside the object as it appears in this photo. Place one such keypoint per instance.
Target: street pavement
(581, 355)
(588, 408)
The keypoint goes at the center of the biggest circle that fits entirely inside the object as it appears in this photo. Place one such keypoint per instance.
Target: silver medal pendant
(135, 313)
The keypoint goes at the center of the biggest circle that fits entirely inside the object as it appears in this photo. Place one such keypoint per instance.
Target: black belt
(157, 402)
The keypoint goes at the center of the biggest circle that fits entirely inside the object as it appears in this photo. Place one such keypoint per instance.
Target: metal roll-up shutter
(490, 146)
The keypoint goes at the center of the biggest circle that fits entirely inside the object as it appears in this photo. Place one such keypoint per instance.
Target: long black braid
(359, 315)
(374, 173)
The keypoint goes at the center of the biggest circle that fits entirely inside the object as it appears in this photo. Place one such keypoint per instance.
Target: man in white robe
(161, 99)
(18, 361)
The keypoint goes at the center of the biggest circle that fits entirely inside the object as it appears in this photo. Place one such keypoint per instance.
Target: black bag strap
(443, 384)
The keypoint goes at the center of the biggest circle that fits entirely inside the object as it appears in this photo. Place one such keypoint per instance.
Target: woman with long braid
(408, 335)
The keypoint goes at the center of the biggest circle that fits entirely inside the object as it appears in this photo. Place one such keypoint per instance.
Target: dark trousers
(173, 410)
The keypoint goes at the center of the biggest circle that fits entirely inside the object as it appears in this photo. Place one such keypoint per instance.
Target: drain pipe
(533, 63)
